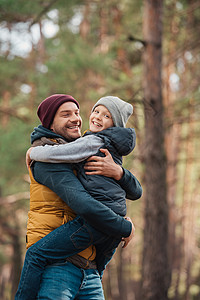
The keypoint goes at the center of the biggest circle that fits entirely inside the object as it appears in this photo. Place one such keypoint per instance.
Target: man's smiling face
(67, 121)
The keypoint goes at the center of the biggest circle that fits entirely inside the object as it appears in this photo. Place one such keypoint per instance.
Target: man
(60, 113)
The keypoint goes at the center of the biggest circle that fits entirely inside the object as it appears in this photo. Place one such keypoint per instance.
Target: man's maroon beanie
(48, 107)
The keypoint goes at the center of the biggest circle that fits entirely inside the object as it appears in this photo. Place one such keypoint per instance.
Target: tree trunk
(189, 206)
(5, 106)
(85, 24)
(121, 276)
(121, 51)
(173, 147)
(155, 272)
(16, 261)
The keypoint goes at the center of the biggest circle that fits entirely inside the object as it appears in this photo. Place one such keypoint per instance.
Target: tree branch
(38, 17)
(14, 198)
(12, 112)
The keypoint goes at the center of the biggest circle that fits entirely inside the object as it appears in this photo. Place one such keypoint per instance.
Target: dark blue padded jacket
(119, 142)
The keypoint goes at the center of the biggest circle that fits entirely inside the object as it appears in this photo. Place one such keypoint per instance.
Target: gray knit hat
(119, 109)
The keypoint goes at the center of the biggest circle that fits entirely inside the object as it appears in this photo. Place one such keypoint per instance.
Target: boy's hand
(127, 240)
(103, 166)
(28, 159)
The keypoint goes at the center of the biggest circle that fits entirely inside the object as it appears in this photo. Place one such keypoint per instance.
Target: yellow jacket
(47, 212)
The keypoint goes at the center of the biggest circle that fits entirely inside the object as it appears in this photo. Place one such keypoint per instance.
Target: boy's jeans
(67, 240)
(66, 281)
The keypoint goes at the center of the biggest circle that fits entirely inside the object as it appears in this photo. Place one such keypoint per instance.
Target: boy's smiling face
(100, 119)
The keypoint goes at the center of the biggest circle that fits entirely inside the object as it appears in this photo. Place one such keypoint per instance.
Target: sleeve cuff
(126, 228)
(122, 181)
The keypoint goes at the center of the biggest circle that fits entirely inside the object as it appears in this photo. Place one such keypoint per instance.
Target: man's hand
(28, 159)
(103, 166)
(129, 238)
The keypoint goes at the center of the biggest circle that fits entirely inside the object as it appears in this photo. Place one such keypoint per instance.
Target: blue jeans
(64, 281)
(67, 240)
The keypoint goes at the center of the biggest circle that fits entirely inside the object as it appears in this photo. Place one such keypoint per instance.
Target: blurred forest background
(147, 53)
